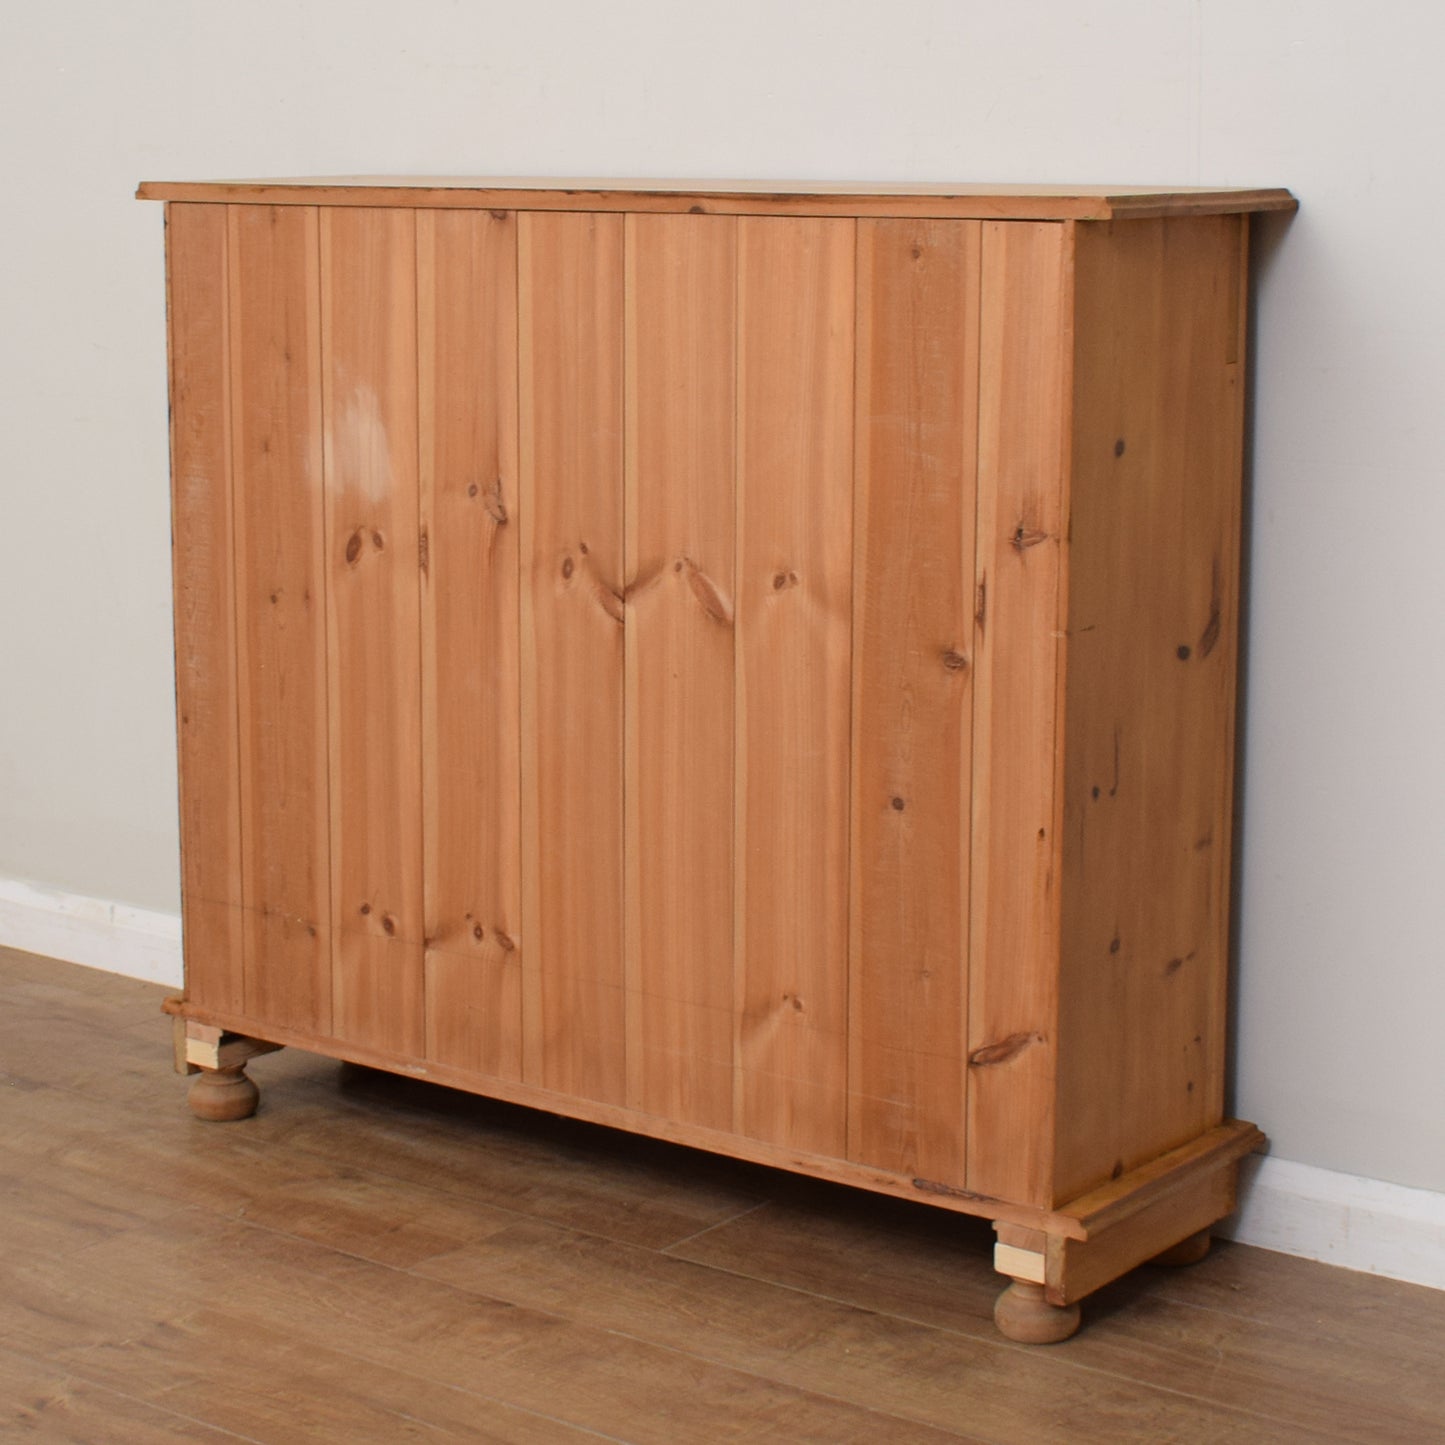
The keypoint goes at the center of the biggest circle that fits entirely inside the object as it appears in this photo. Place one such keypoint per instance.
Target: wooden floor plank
(372, 1258)
(956, 1370)
(216, 1363)
(1148, 1327)
(539, 1361)
(46, 1403)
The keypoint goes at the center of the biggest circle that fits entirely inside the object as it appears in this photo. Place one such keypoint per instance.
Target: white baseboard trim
(116, 937)
(1341, 1219)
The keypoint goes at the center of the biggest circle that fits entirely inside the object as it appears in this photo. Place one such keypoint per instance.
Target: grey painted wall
(1342, 985)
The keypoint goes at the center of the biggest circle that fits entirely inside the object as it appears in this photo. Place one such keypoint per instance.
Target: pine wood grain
(368, 325)
(570, 269)
(679, 639)
(1012, 1006)
(281, 587)
(916, 430)
(794, 644)
(470, 525)
(1152, 621)
(204, 567)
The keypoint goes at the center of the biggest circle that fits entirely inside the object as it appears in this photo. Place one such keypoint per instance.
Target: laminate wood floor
(375, 1259)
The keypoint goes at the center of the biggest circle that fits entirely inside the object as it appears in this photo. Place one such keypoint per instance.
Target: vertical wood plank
(281, 612)
(467, 406)
(1152, 623)
(570, 294)
(917, 400)
(1025, 322)
(794, 691)
(368, 320)
(681, 292)
(205, 621)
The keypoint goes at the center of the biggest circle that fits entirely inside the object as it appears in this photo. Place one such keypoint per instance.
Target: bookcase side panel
(1152, 626)
(205, 620)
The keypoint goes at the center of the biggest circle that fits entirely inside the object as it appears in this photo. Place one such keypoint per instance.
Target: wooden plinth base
(1162, 1213)
(1023, 1314)
(220, 1095)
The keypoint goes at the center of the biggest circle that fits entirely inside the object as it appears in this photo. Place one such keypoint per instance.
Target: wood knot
(478, 932)
(954, 660)
(706, 593)
(1025, 537)
(505, 942)
(1209, 638)
(364, 909)
(611, 602)
(1004, 1050)
(1183, 652)
(353, 548)
(388, 925)
(568, 567)
(784, 579)
(497, 509)
(897, 804)
(1119, 447)
(378, 541)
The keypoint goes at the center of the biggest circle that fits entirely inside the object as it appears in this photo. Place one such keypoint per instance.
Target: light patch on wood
(1017, 1263)
(358, 442)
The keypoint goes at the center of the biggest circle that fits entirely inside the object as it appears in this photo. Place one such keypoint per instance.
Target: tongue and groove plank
(570, 295)
(680, 510)
(275, 380)
(368, 326)
(210, 805)
(1025, 325)
(467, 402)
(917, 398)
(794, 639)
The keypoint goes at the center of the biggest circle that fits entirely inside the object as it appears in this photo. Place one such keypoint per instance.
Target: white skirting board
(1340, 1219)
(116, 937)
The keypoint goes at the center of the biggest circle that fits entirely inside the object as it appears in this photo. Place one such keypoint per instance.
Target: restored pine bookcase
(749, 665)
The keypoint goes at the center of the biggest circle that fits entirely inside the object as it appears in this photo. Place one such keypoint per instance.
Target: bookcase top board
(812, 198)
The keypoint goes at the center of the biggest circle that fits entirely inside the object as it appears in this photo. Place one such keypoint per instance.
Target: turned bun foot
(1186, 1252)
(219, 1095)
(1023, 1314)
